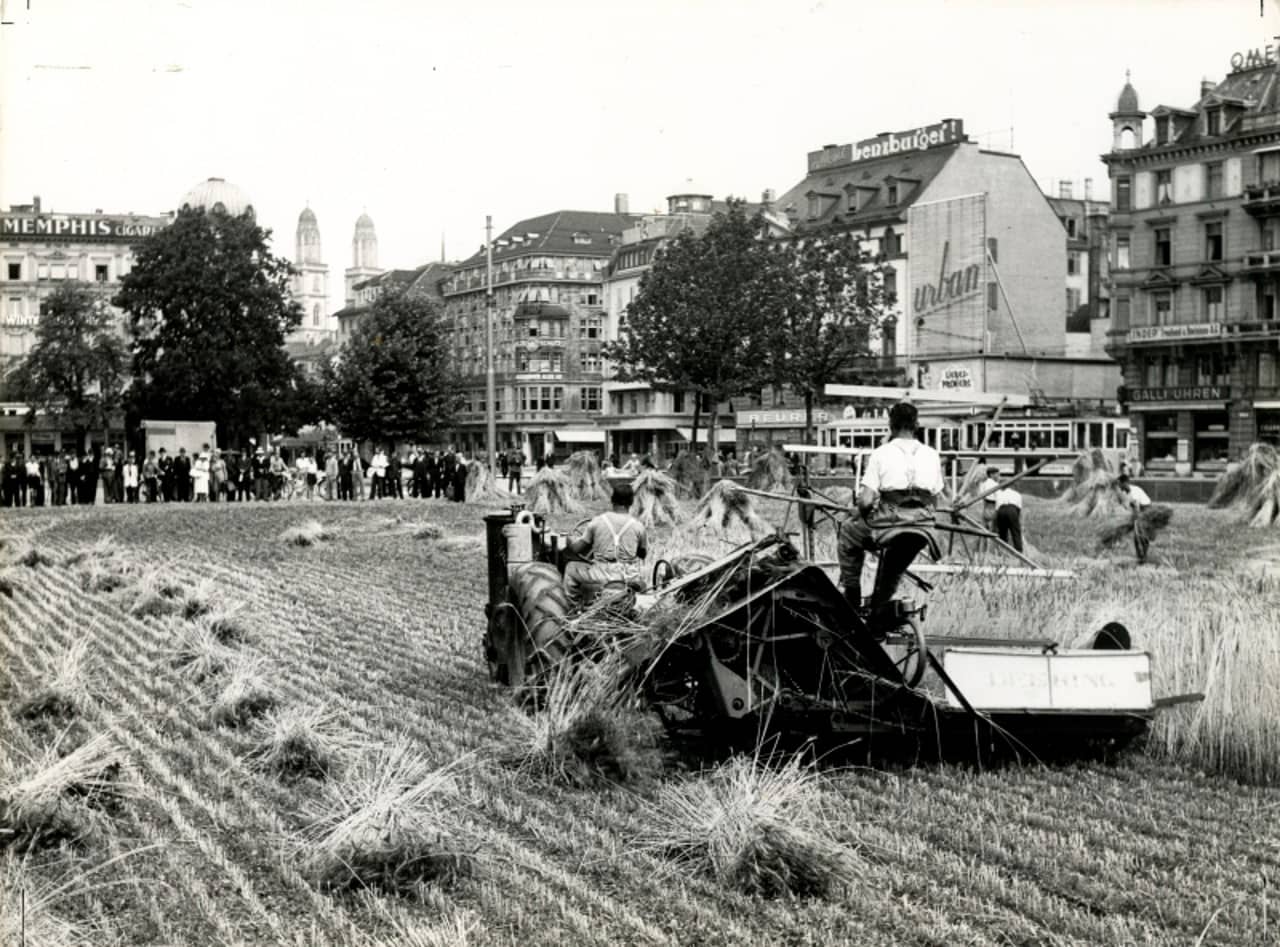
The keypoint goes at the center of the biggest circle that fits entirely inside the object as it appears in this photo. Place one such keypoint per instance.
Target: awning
(1179, 406)
(580, 436)
(1266, 405)
(724, 435)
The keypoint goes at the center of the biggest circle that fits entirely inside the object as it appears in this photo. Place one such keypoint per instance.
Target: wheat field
(184, 638)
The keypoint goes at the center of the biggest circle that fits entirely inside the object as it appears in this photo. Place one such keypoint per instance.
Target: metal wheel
(915, 658)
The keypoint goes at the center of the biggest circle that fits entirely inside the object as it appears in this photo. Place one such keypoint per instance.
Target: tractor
(765, 643)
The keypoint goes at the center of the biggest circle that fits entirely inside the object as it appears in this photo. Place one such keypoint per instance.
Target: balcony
(1262, 200)
(1262, 261)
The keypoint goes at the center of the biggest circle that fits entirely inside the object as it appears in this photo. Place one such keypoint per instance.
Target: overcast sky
(431, 115)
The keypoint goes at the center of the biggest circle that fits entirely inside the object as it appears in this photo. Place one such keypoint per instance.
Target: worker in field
(900, 486)
(1008, 517)
(1136, 499)
(611, 551)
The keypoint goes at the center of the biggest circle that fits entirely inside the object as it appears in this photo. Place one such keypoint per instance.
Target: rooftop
(577, 232)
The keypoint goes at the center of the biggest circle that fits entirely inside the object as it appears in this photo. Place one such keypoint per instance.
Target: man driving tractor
(614, 541)
(900, 487)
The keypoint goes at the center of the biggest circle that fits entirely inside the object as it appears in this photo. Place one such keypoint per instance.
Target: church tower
(1127, 119)
(364, 257)
(311, 283)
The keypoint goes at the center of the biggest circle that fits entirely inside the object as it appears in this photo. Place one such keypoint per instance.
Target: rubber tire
(537, 592)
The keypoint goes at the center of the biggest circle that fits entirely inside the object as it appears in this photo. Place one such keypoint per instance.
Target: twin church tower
(311, 283)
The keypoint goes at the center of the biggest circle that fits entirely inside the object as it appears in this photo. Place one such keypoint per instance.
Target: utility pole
(491, 415)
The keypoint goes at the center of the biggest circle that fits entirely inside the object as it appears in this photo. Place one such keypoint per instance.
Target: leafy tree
(830, 295)
(75, 372)
(392, 380)
(698, 323)
(209, 308)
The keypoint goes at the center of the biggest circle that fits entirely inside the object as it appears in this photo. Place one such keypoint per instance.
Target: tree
(75, 371)
(209, 309)
(392, 380)
(831, 295)
(698, 323)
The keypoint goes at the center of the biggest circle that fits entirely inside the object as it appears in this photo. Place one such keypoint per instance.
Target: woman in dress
(200, 475)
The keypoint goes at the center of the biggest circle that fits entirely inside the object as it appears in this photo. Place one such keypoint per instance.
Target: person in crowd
(245, 491)
(331, 475)
(200, 470)
(182, 476)
(421, 475)
(460, 479)
(150, 476)
(107, 474)
(502, 465)
(346, 474)
(277, 470)
(378, 475)
(305, 468)
(35, 481)
(117, 461)
(901, 485)
(1008, 516)
(73, 477)
(987, 489)
(89, 471)
(58, 481)
(168, 488)
(259, 469)
(217, 476)
(1137, 501)
(393, 485)
(515, 468)
(357, 475)
(433, 474)
(131, 477)
(611, 551)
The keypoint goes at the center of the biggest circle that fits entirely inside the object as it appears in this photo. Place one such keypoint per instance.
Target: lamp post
(491, 415)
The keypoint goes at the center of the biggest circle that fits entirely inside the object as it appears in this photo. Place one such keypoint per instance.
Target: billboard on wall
(949, 276)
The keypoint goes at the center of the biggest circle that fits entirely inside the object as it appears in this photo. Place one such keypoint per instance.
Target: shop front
(761, 428)
(1183, 430)
(1268, 423)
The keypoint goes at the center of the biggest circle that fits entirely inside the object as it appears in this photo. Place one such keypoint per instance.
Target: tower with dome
(364, 257)
(310, 285)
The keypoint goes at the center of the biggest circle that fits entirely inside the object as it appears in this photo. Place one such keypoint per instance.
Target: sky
(429, 116)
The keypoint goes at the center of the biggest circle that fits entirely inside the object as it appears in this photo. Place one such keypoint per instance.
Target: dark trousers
(131, 494)
(1009, 525)
(344, 487)
(35, 488)
(513, 480)
(150, 483)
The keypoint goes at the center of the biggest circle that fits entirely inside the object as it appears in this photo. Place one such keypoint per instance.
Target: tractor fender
(888, 535)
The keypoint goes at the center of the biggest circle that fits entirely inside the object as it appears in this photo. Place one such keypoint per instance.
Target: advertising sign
(779, 417)
(1194, 330)
(1004, 679)
(948, 274)
(954, 378)
(88, 227)
(890, 143)
(1187, 393)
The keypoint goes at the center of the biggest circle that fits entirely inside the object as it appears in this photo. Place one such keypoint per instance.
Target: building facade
(1195, 270)
(1088, 304)
(976, 259)
(549, 315)
(42, 249)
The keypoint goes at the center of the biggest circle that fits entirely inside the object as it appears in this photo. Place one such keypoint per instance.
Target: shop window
(15, 271)
(1163, 239)
(1213, 241)
(1160, 447)
(1213, 304)
(1124, 194)
(1164, 186)
(1269, 427)
(1213, 180)
(1212, 438)
(1122, 252)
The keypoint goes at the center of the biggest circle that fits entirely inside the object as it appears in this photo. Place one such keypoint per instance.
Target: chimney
(767, 198)
(1207, 86)
(35, 203)
(1088, 189)
(1064, 190)
(620, 204)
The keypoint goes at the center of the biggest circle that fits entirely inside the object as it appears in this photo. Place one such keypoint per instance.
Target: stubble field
(1178, 842)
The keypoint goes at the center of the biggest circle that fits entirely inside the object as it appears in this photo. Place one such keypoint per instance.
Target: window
(1268, 377)
(590, 399)
(1073, 263)
(1161, 429)
(1213, 180)
(891, 243)
(15, 307)
(1070, 224)
(1122, 251)
(557, 398)
(15, 271)
(1213, 304)
(1269, 167)
(1213, 121)
(1163, 246)
(1124, 193)
(633, 404)
(100, 273)
(1162, 130)
(677, 402)
(1164, 186)
(993, 249)
(590, 362)
(1073, 302)
(891, 195)
(589, 328)
(593, 299)
(1161, 309)
(1211, 369)
(1213, 241)
(890, 285)
(544, 401)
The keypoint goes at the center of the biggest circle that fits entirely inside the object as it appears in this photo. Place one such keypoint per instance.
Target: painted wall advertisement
(948, 276)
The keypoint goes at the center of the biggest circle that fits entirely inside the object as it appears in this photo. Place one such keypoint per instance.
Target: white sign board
(954, 378)
(1004, 679)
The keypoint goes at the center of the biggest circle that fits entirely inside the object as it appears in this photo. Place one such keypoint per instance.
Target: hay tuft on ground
(68, 690)
(1251, 487)
(246, 695)
(728, 511)
(549, 492)
(656, 500)
(299, 743)
(390, 823)
(758, 828)
(307, 533)
(50, 798)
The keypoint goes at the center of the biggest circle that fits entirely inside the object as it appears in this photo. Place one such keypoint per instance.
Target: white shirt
(903, 464)
(1139, 496)
(1007, 496)
(379, 464)
(986, 486)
